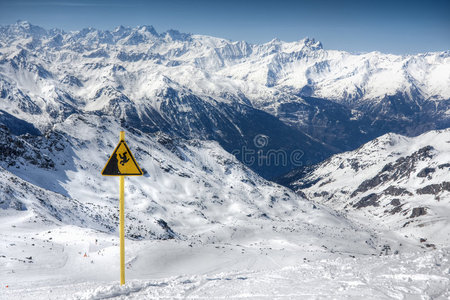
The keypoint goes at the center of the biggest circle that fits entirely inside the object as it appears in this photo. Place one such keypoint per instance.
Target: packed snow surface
(55, 267)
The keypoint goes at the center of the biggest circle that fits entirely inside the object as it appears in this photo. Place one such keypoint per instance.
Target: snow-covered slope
(394, 182)
(191, 188)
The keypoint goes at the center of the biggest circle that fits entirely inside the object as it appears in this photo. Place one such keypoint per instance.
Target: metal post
(122, 222)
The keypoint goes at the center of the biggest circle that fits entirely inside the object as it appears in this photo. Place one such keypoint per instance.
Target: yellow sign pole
(122, 163)
(122, 222)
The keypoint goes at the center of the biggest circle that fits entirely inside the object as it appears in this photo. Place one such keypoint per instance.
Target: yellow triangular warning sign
(121, 163)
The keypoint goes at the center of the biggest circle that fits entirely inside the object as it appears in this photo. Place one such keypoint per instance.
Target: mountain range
(297, 96)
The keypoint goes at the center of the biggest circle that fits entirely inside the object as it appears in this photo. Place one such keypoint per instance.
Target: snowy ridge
(330, 74)
(401, 184)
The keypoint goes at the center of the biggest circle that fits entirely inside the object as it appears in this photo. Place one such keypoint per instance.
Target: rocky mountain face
(298, 96)
(400, 183)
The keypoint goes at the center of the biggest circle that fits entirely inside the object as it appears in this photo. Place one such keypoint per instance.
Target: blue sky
(358, 26)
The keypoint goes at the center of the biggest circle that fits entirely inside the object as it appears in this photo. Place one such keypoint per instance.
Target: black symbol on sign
(123, 158)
